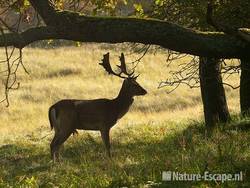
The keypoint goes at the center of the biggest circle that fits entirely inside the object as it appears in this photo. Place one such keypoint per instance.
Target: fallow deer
(68, 115)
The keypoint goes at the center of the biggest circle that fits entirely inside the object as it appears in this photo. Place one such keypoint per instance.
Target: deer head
(130, 87)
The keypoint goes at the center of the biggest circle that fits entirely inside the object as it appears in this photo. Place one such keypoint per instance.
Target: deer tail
(52, 117)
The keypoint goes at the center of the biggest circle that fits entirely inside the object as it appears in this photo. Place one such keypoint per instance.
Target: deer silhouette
(68, 115)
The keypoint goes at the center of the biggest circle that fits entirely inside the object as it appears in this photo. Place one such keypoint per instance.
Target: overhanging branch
(73, 26)
(20, 40)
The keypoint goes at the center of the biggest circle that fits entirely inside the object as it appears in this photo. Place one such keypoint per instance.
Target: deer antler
(123, 69)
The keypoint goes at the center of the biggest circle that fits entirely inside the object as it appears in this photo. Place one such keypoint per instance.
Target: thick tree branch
(241, 33)
(73, 26)
(21, 40)
(45, 10)
(244, 33)
(218, 26)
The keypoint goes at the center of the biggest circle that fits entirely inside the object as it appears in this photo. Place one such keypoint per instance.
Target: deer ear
(136, 77)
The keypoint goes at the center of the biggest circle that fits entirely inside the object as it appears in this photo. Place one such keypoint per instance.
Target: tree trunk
(212, 92)
(245, 87)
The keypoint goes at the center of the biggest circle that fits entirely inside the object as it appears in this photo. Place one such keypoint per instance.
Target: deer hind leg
(106, 140)
(56, 143)
(64, 128)
(54, 148)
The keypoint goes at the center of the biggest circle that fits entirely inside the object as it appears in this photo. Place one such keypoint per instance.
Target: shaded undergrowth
(139, 155)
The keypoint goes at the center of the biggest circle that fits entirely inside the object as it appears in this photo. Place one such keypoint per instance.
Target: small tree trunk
(245, 87)
(212, 92)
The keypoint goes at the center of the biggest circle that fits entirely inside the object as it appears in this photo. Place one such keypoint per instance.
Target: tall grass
(161, 132)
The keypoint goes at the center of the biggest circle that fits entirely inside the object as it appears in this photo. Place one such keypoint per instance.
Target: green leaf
(139, 9)
(78, 44)
(26, 3)
(159, 2)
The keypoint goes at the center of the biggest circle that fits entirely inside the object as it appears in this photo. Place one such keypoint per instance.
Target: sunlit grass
(72, 72)
(161, 132)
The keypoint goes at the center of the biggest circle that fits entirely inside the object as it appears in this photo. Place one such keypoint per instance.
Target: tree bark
(245, 87)
(212, 92)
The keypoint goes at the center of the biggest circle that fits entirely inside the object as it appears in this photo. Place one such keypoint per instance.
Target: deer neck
(122, 102)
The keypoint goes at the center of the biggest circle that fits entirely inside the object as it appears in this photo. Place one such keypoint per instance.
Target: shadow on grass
(144, 158)
(18, 161)
(137, 159)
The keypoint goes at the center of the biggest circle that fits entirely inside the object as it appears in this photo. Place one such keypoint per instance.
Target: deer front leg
(106, 140)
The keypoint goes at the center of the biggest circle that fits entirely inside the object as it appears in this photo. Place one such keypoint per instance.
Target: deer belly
(90, 123)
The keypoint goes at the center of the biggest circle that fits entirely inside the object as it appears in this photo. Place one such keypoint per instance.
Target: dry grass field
(161, 132)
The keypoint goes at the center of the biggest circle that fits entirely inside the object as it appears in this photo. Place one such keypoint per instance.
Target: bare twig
(10, 73)
(188, 73)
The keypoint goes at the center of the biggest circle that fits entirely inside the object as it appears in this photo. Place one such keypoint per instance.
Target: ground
(162, 132)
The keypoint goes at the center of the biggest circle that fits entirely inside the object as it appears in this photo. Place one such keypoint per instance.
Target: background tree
(233, 16)
(199, 15)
